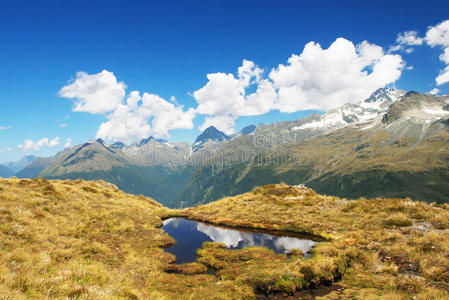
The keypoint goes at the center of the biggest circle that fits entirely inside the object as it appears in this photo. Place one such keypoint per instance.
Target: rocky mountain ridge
(221, 165)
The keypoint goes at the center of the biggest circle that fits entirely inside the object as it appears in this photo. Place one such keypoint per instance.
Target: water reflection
(190, 236)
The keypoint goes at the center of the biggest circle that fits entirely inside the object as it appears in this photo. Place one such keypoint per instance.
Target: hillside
(35, 167)
(5, 172)
(145, 172)
(19, 165)
(378, 249)
(401, 153)
(78, 239)
(392, 144)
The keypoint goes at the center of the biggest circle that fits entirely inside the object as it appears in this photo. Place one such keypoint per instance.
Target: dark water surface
(190, 235)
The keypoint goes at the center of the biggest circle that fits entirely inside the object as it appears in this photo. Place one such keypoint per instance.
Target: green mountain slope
(408, 156)
(97, 160)
(35, 167)
(393, 144)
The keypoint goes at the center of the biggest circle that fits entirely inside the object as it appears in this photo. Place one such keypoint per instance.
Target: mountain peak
(118, 145)
(248, 129)
(149, 139)
(211, 133)
(418, 106)
(17, 166)
(383, 94)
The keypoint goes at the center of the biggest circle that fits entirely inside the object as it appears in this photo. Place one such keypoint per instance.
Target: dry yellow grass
(383, 248)
(88, 240)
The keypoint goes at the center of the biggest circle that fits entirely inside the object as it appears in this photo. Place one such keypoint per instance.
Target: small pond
(190, 235)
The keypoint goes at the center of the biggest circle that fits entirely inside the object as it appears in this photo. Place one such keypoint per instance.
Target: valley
(392, 144)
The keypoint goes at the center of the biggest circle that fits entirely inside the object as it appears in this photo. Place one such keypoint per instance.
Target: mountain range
(5, 172)
(394, 143)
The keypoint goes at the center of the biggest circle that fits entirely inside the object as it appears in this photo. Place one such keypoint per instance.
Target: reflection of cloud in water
(286, 244)
(173, 222)
(235, 239)
(220, 235)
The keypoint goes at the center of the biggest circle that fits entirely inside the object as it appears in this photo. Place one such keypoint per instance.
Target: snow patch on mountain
(351, 114)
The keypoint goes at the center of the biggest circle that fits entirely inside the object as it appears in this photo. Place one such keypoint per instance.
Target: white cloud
(132, 120)
(222, 94)
(63, 125)
(137, 117)
(409, 38)
(315, 79)
(439, 36)
(223, 123)
(44, 142)
(97, 93)
(434, 91)
(5, 127)
(68, 143)
(325, 78)
(224, 97)
(405, 39)
(173, 100)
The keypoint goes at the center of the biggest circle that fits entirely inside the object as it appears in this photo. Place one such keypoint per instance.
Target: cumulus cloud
(405, 41)
(63, 125)
(434, 91)
(127, 119)
(223, 123)
(29, 145)
(224, 97)
(132, 119)
(97, 93)
(315, 79)
(326, 78)
(438, 36)
(68, 143)
(409, 38)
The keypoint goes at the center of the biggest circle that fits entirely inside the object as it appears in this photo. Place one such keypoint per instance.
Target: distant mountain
(248, 129)
(152, 152)
(147, 168)
(17, 166)
(94, 155)
(393, 147)
(5, 172)
(391, 144)
(118, 145)
(34, 168)
(211, 135)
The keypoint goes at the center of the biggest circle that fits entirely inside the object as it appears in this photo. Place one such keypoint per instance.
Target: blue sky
(167, 48)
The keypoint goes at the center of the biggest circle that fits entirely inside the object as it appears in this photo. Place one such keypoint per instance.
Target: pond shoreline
(249, 229)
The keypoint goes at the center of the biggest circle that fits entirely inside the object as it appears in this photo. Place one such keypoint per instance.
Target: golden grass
(382, 248)
(89, 240)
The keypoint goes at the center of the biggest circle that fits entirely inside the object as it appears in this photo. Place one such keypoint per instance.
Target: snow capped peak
(349, 114)
(383, 94)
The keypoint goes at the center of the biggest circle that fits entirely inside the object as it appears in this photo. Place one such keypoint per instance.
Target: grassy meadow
(64, 239)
